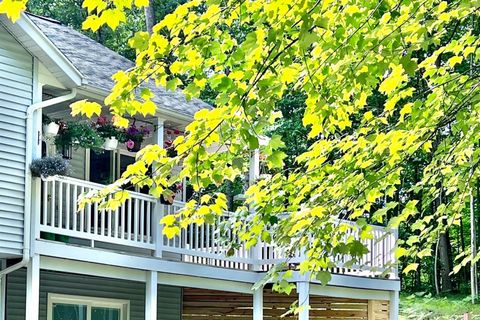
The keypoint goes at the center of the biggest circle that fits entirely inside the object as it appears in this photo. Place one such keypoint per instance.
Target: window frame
(122, 305)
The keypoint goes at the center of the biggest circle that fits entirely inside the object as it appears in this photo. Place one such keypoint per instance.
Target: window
(66, 307)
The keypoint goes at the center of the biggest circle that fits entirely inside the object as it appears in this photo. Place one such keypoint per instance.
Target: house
(96, 265)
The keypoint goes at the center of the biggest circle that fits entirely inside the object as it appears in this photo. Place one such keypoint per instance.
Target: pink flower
(129, 144)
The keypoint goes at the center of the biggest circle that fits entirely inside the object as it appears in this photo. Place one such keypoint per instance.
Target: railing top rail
(98, 186)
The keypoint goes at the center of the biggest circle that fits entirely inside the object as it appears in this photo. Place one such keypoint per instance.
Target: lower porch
(61, 289)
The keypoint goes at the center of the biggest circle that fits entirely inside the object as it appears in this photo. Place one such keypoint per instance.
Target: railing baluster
(82, 213)
(102, 221)
(52, 205)
(60, 205)
(149, 218)
(67, 207)
(116, 222)
(75, 212)
(109, 221)
(95, 217)
(45, 203)
(129, 219)
(142, 218)
(135, 232)
(122, 221)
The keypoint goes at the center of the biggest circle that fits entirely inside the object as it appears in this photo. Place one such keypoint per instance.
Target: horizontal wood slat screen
(200, 304)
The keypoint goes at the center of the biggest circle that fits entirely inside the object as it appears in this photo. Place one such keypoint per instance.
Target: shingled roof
(97, 64)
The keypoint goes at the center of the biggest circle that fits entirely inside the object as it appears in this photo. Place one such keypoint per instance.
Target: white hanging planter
(51, 129)
(110, 143)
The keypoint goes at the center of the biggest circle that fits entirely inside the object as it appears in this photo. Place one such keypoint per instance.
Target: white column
(151, 296)
(258, 304)
(33, 288)
(303, 290)
(160, 131)
(159, 208)
(394, 304)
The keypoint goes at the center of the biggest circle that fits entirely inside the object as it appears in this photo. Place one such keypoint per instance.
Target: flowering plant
(105, 128)
(170, 135)
(133, 136)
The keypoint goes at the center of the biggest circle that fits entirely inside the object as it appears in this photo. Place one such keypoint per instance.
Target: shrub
(50, 166)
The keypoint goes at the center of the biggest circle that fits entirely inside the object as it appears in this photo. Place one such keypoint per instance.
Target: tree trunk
(444, 259)
(150, 16)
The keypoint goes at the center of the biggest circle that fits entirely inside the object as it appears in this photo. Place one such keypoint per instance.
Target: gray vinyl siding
(16, 83)
(77, 164)
(169, 298)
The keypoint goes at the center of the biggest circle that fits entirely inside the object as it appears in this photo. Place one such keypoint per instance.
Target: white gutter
(28, 177)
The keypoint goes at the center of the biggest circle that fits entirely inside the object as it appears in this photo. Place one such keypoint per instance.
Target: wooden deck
(200, 304)
(135, 224)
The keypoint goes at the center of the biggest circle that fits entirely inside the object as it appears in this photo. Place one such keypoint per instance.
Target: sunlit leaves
(87, 108)
(13, 8)
(384, 84)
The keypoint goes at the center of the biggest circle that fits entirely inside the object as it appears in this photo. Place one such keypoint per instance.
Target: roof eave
(37, 43)
(100, 94)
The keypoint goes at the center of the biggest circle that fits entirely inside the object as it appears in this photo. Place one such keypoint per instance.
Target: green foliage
(359, 66)
(384, 83)
(78, 134)
(427, 307)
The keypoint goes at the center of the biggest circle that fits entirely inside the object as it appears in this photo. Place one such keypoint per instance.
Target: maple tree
(338, 54)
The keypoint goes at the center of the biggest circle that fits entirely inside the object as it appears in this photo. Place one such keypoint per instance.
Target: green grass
(427, 307)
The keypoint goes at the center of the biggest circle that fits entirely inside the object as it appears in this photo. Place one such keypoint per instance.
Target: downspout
(28, 177)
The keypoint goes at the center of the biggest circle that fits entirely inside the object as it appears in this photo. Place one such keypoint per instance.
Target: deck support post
(394, 302)
(33, 288)
(151, 295)
(258, 304)
(303, 290)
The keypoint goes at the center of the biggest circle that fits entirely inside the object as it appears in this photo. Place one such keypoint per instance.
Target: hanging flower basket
(133, 137)
(50, 129)
(133, 146)
(110, 143)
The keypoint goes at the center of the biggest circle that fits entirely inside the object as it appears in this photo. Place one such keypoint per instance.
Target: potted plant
(77, 134)
(49, 126)
(133, 137)
(49, 166)
(107, 131)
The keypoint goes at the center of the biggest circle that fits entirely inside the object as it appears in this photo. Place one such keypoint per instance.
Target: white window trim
(123, 305)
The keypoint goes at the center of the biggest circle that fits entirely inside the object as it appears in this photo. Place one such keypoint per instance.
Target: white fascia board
(91, 269)
(348, 281)
(115, 272)
(59, 250)
(44, 46)
(204, 283)
(349, 293)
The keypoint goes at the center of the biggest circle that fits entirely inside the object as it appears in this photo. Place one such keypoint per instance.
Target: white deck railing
(130, 225)
(136, 224)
